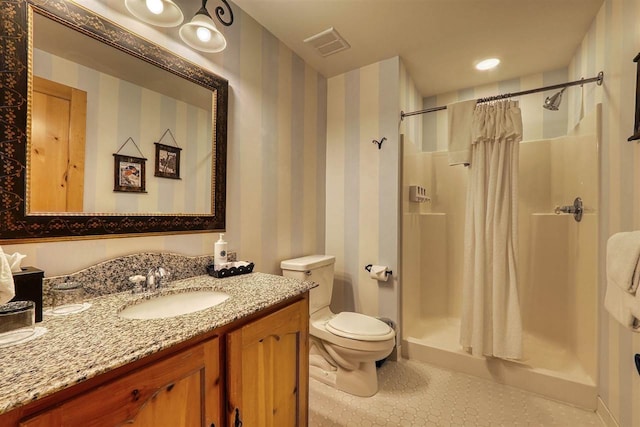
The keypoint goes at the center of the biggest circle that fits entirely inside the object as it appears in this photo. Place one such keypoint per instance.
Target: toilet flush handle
(307, 273)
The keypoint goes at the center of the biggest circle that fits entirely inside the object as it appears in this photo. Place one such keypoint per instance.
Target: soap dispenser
(220, 251)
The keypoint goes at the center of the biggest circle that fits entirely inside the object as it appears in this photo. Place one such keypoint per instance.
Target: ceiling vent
(328, 42)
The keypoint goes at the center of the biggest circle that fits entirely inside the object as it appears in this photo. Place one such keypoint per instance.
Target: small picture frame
(129, 174)
(167, 161)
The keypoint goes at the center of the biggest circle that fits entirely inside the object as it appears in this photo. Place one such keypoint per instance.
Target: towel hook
(384, 138)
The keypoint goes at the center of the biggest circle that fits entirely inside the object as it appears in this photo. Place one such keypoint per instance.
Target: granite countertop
(80, 346)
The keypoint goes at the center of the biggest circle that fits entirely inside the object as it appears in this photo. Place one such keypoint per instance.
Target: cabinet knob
(136, 394)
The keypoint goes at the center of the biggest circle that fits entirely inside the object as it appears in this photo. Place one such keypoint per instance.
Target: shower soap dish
(230, 269)
(17, 321)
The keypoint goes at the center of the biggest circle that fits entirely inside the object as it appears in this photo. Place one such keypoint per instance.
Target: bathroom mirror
(182, 97)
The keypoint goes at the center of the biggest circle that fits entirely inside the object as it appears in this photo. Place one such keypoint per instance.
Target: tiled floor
(416, 394)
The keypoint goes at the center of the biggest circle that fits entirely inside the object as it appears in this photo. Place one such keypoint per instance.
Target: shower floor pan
(546, 368)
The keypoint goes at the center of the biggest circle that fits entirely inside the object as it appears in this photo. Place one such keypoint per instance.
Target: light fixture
(487, 64)
(162, 13)
(201, 33)
(553, 102)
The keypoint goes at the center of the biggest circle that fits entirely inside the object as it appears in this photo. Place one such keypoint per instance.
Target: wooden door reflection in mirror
(57, 147)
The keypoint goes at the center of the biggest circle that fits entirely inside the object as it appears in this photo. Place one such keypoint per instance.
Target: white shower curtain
(491, 323)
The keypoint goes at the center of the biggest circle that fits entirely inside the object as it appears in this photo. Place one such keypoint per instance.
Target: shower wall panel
(412, 291)
(411, 252)
(434, 265)
(544, 286)
(447, 185)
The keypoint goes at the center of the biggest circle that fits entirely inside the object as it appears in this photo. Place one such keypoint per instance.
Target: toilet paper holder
(368, 268)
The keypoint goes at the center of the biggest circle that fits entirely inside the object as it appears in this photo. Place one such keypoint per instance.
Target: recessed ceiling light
(487, 64)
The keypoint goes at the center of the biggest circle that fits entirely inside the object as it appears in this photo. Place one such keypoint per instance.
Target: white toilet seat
(359, 326)
(318, 327)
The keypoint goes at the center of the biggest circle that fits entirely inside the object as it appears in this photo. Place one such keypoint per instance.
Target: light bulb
(155, 6)
(203, 34)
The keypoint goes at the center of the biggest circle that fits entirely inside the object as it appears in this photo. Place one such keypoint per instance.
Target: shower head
(553, 102)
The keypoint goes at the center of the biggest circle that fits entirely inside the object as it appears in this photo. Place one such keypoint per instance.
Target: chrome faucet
(155, 278)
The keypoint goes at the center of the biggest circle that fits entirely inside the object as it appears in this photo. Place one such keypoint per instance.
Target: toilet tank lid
(307, 262)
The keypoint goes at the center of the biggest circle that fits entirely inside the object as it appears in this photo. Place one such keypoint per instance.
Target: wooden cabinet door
(180, 391)
(267, 370)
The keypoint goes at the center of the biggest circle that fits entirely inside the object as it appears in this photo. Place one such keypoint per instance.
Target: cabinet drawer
(171, 392)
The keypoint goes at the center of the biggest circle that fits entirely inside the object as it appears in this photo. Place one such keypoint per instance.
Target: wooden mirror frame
(16, 225)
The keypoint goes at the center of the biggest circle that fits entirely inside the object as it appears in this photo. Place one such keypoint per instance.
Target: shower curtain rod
(580, 82)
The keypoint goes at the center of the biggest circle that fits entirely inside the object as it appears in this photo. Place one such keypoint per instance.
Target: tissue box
(28, 284)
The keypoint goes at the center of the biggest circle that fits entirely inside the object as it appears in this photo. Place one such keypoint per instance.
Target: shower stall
(557, 266)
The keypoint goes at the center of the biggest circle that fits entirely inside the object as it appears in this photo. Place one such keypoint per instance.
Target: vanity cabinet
(267, 370)
(181, 390)
(255, 367)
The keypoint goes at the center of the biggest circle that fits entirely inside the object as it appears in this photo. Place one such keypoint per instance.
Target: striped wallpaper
(362, 220)
(276, 156)
(610, 45)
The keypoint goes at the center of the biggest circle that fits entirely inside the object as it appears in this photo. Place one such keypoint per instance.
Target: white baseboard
(605, 415)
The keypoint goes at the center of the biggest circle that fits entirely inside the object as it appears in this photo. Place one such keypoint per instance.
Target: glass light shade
(170, 14)
(195, 35)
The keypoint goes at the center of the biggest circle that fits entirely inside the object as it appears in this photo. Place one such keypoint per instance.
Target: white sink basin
(172, 305)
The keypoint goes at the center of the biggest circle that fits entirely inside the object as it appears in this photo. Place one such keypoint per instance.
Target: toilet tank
(315, 268)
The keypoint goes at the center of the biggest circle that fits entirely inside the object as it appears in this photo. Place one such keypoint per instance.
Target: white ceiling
(439, 41)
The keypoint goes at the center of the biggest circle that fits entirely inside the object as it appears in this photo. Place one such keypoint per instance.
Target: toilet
(343, 347)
